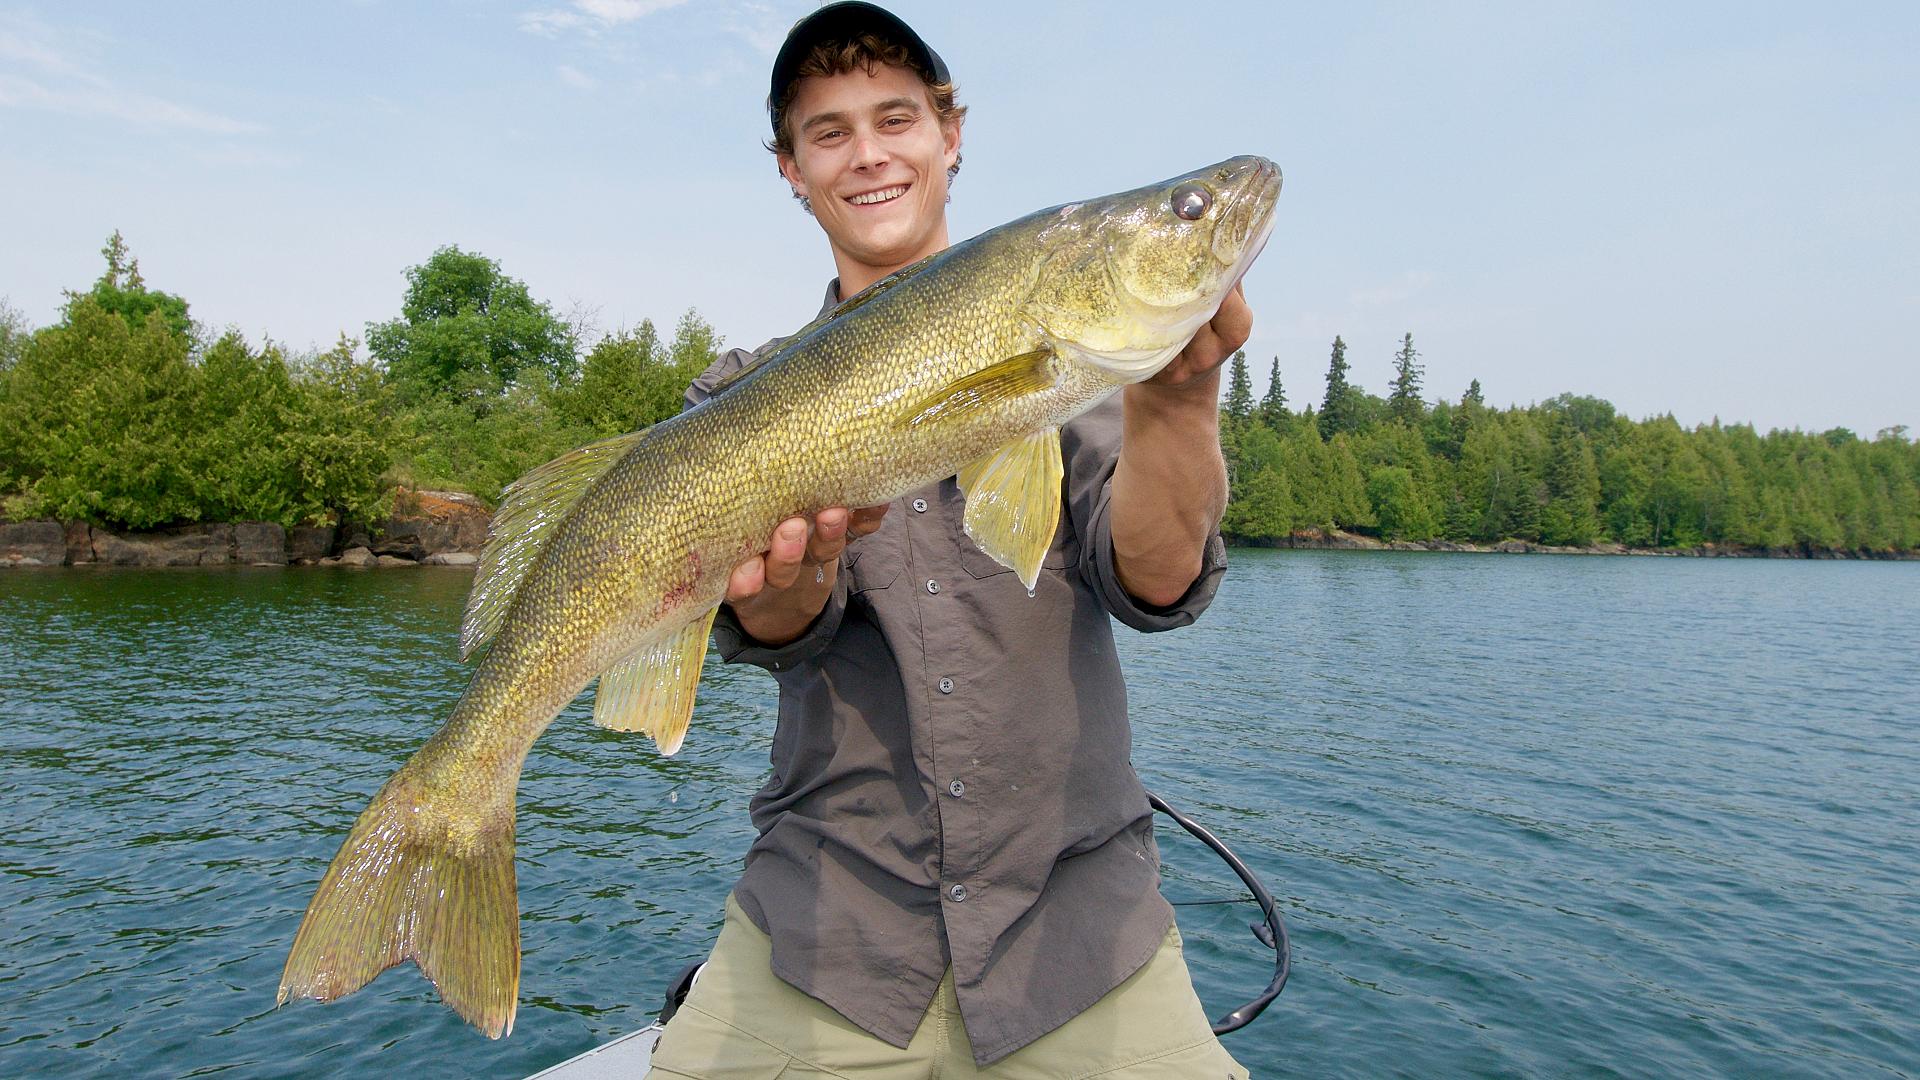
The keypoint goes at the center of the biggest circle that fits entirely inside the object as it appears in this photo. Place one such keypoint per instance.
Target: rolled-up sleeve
(1090, 449)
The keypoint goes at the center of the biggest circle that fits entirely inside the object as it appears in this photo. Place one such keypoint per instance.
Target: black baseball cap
(844, 22)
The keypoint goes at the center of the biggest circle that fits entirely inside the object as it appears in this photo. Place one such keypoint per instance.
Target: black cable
(1274, 938)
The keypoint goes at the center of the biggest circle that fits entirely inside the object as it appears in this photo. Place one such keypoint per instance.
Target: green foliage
(632, 379)
(1404, 403)
(117, 415)
(122, 291)
(468, 331)
(1237, 409)
(97, 415)
(1273, 403)
(1337, 413)
(1399, 504)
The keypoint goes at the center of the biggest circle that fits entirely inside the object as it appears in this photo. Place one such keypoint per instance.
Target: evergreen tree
(1273, 404)
(1571, 516)
(1237, 409)
(1404, 403)
(1336, 410)
(122, 291)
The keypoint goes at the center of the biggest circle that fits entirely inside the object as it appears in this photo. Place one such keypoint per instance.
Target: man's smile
(883, 195)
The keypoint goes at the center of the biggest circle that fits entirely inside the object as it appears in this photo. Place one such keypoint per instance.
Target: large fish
(608, 563)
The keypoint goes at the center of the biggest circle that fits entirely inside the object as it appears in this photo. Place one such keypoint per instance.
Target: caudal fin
(407, 886)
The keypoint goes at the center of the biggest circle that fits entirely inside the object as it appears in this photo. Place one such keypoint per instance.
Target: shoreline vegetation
(132, 435)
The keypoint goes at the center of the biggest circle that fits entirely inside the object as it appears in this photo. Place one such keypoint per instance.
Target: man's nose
(867, 151)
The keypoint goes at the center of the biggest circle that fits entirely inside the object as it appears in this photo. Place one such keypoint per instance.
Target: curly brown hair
(865, 52)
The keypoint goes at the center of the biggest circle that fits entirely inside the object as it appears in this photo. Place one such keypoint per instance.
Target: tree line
(1567, 471)
(128, 413)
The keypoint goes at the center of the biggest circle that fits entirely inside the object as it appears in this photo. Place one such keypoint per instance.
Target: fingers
(1229, 329)
(865, 520)
(785, 552)
(747, 580)
(798, 547)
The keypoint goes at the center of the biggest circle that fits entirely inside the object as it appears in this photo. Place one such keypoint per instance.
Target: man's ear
(951, 133)
(791, 170)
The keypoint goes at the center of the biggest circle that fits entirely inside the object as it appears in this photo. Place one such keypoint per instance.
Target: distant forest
(128, 413)
(1568, 471)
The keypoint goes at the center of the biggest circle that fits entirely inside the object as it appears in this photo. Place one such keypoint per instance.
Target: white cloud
(591, 16)
(47, 79)
(575, 78)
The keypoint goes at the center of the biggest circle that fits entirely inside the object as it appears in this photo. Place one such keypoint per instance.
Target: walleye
(610, 561)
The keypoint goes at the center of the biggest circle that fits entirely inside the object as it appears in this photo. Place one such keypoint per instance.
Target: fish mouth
(878, 196)
(1248, 221)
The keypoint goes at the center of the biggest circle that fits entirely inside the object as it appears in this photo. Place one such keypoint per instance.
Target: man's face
(871, 157)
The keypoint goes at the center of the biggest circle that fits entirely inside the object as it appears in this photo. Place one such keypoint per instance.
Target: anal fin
(652, 691)
(1013, 502)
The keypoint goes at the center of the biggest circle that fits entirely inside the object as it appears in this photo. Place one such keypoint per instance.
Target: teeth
(879, 196)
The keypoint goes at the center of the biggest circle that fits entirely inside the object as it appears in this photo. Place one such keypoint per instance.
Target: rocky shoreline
(1339, 540)
(426, 528)
(442, 528)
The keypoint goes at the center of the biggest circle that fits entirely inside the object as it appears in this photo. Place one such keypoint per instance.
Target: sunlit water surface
(1528, 816)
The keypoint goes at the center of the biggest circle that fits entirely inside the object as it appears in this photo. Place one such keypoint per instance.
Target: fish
(610, 562)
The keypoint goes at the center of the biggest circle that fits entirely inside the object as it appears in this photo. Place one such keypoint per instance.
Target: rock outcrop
(426, 523)
(32, 543)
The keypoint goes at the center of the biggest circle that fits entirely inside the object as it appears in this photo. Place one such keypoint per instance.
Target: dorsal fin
(530, 509)
(849, 304)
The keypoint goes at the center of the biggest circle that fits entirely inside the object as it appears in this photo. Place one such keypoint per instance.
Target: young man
(956, 867)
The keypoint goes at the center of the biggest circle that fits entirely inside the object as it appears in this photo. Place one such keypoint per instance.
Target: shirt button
(946, 686)
(919, 506)
(958, 788)
(933, 586)
(958, 892)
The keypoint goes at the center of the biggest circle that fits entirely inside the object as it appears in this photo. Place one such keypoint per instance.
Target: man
(956, 868)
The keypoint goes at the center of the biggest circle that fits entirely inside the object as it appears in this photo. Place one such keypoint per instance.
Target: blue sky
(1708, 209)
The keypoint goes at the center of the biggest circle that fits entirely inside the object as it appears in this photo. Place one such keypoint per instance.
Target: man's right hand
(777, 594)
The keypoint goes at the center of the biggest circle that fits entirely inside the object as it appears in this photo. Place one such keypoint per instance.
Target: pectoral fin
(1028, 373)
(652, 691)
(1013, 502)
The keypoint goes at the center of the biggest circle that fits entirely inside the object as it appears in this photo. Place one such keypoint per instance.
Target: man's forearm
(1169, 487)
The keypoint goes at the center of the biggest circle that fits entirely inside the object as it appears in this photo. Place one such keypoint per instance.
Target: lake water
(1526, 815)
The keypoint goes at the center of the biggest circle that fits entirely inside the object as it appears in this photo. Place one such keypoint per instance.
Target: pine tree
(1238, 408)
(1404, 403)
(1336, 411)
(1273, 405)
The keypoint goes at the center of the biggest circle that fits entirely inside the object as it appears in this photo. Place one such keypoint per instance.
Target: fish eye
(1191, 201)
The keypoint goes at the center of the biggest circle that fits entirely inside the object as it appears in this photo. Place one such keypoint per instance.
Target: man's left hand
(1212, 344)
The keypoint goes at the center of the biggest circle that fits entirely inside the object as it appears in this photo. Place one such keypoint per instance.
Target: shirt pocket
(873, 561)
(1062, 554)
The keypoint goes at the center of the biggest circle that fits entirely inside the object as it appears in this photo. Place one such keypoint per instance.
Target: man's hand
(777, 594)
(1212, 344)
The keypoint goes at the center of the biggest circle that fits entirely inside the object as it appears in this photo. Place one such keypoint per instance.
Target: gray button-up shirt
(951, 777)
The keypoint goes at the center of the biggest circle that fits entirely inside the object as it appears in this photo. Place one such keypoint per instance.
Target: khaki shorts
(741, 1022)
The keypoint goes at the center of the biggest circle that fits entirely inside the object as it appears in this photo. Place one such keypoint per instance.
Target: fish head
(1129, 278)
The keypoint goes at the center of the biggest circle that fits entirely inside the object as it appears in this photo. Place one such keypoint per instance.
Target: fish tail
(417, 879)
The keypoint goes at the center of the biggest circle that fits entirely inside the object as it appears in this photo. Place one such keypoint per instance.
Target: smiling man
(955, 873)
